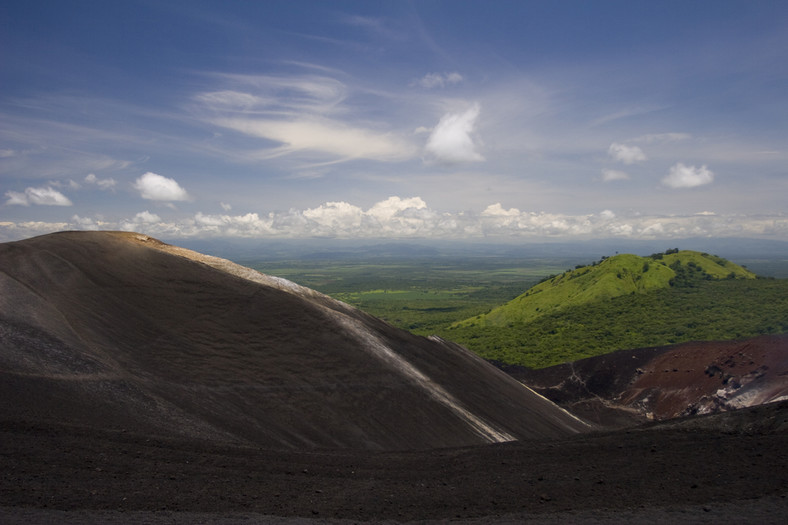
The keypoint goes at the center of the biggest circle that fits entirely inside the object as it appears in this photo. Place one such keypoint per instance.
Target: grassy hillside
(627, 301)
(611, 277)
(708, 311)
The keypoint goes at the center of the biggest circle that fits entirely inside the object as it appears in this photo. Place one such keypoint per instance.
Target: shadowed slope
(118, 330)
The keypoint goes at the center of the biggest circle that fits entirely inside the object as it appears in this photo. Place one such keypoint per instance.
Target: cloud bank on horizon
(364, 120)
(411, 217)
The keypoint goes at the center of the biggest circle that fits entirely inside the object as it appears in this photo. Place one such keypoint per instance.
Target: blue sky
(425, 119)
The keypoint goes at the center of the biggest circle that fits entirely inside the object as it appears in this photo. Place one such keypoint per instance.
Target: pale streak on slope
(531, 390)
(339, 311)
(383, 352)
(562, 409)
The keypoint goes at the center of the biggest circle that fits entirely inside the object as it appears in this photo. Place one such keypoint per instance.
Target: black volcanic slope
(117, 331)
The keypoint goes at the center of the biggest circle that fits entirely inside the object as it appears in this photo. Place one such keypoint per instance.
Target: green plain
(419, 295)
(433, 295)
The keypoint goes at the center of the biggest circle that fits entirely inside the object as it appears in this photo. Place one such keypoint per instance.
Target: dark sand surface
(688, 471)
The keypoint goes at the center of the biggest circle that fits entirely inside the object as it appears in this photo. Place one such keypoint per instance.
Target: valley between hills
(146, 383)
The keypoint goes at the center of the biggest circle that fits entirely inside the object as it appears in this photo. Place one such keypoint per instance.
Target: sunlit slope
(615, 276)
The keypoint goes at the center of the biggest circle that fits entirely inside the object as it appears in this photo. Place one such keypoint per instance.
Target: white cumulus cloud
(385, 210)
(397, 218)
(247, 225)
(496, 210)
(394, 216)
(336, 215)
(86, 223)
(156, 187)
(452, 139)
(46, 196)
(625, 153)
(681, 176)
(147, 217)
(142, 222)
(499, 217)
(104, 184)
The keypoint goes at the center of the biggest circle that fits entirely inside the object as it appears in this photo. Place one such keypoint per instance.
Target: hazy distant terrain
(579, 252)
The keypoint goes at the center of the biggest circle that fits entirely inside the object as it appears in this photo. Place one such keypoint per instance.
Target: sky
(514, 120)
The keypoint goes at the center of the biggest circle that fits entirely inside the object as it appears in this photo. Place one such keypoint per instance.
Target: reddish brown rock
(628, 386)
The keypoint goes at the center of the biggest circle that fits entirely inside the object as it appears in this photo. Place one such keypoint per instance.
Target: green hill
(611, 277)
(627, 301)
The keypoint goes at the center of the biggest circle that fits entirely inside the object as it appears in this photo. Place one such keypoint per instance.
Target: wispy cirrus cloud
(230, 100)
(438, 80)
(326, 136)
(652, 138)
(283, 95)
(307, 114)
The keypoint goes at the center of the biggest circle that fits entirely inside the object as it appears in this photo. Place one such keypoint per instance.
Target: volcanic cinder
(140, 382)
(194, 346)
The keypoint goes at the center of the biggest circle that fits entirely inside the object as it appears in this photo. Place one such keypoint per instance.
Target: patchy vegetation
(623, 301)
(420, 295)
(705, 311)
(609, 278)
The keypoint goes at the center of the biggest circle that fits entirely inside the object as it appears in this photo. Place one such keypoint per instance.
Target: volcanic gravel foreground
(142, 383)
